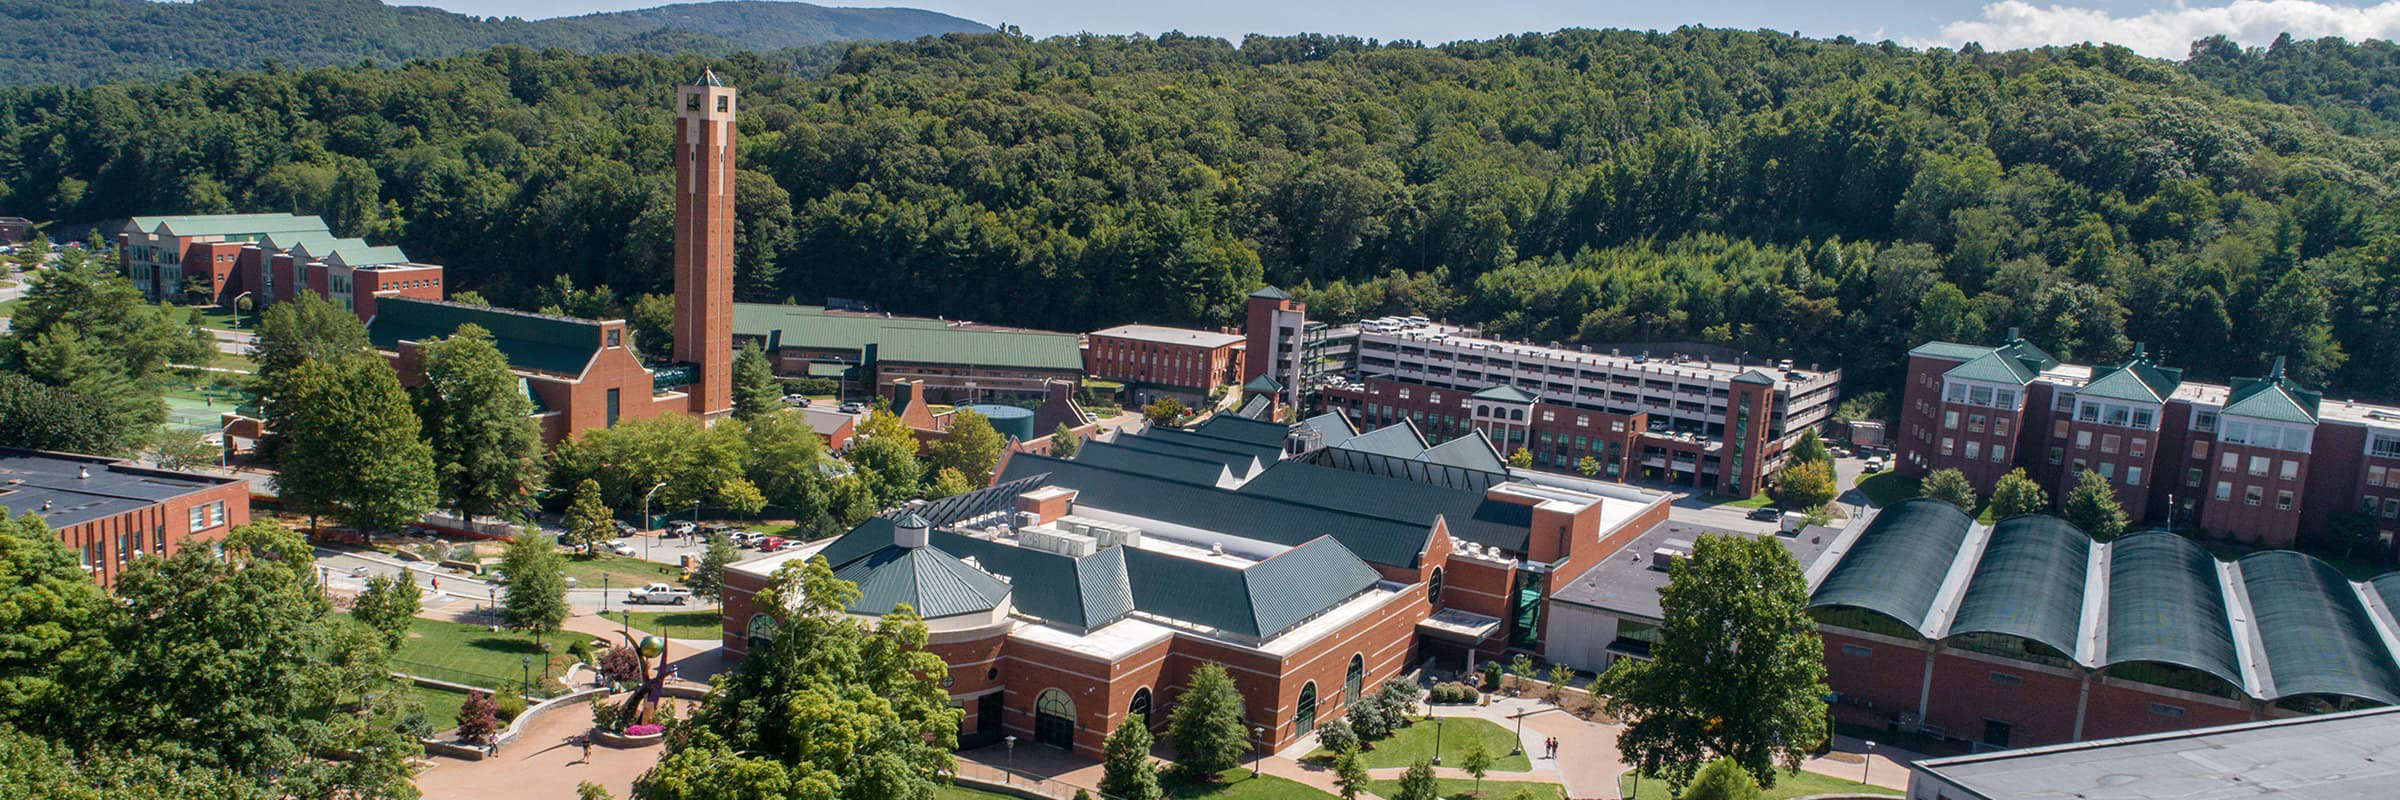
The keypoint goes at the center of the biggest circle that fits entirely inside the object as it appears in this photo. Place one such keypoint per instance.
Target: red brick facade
(109, 544)
(1196, 367)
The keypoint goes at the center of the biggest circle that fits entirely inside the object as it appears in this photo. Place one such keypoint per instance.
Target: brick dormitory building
(1075, 592)
(266, 258)
(112, 512)
(2261, 461)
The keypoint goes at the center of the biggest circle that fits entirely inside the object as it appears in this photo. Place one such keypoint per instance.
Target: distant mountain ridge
(85, 42)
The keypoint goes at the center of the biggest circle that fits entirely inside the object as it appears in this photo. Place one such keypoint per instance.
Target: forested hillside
(1828, 200)
(84, 42)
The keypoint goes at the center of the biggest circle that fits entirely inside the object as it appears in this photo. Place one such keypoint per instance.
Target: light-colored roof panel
(1161, 334)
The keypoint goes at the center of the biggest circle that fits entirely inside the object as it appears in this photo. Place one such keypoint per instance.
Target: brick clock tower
(704, 239)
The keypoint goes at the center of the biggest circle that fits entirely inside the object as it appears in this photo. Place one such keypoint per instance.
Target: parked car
(1766, 514)
(853, 407)
(626, 528)
(620, 547)
(659, 594)
(682, 527)
(796, 400)
(771, 544)
(1875, 464)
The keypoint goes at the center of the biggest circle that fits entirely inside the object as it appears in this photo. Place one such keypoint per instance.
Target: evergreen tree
(1206, 725)
(487, 449)
(388, 605)
(1722, 779)
(708, 579)
(971, 446)
(588, 520)
(350, 445)
(1418, 783)
(1126, 770)
(1949, 486)
(1809, 448)
(2016, 494)
(43, 417)
(1739, 671)
(755, 391)
(1063, 442)
(52, 609)
(1349, 773)
(536, 584)
(2092, 506)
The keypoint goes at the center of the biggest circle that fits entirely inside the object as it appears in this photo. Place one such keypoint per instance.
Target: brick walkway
(543, 763)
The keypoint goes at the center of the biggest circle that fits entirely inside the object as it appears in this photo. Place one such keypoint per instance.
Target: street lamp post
(1437, 741)
(1010, 775)
(1867, 764)
(1261, 753)
(1517, 745)
(646, 518)
(528, 674)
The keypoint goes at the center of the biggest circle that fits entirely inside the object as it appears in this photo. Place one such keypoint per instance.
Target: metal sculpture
(642, 707)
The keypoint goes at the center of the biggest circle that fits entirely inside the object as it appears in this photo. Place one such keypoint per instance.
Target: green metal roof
(1082, 593)
(1150, 462)
(1262, 385)
(2029, 583)
(1376, 540)
(2166, 605)
(1994, 368)
(2273, 398)
(1754, 376)
(1399, 440)
(933, 583)
(1238, 462)
(1473, 451)
(232, 224)
(1505, 394)
(1468, 514)
(905, 339)
(1897, 565)
(1257, 450)
(1333, 427)
(537, 342)
(1255, 433)
(1271, 293)
(1950, 350)
(823, 370)
(1259, 601)
(2317, 637)
(2135, 381)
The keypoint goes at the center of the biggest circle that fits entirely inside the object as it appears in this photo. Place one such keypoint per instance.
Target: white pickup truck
(659, 594)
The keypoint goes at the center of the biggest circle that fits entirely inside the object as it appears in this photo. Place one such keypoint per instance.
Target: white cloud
(2169, 32)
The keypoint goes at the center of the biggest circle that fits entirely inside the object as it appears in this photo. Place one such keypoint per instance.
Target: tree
(1126, 770)
(693, 459)
(44, 417)
(755, 391)
(652, 322)
(885, 455)
(971, 446)
(588, 790)
(849, 709)
(1396, 701)
(478, 718)
(1809, 448)
(1804, 485)
(1349, 773)
(1588, 467)
(181, 449)
(1520, 458)
(2092, 506)
(388, 605)
(708, 579)
(1163, 411)
(588, 520)
(1063, 442)
(1367, 718)
(1477, 761)
(52, 610)
(304, 329)
(2016, 494)
(487, 450)
(1949, 486)
(536, 583)
(1337, 735)
(350, 445)
(1418, 783)
(1722, 779)
(946, 483)
(1206, 725)
(788, 464)
(2352, 529)
(1739, 671)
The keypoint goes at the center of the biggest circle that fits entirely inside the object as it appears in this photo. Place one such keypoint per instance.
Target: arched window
(760, 632)
(1141, 704)
(1355, 680)
(1433, 587)
(1054, 718)
(1306, 716)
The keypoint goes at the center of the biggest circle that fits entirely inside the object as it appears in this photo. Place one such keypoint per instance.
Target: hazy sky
(2154, 28)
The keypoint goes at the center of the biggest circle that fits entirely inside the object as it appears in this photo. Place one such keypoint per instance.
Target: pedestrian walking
(587, 747)
(437, 584)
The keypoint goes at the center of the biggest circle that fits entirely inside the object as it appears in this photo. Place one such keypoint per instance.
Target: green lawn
(1465, 787)
(1415, 742)
(674, 624)
(9, 308)
(1792, 784)
(954, 792)
(469, 654)
(622, 572)
(1760, 500)
(440, 705)
(222, 318)
(1236, 784)
(1887, 487)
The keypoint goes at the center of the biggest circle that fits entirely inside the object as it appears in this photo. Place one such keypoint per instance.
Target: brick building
(113, 512)
(266, 258)
(1155, 361)
(2261, 461)
(1090, 588)
(955, 362)
(2027, 631)
(1275, 342)
(15, 229)
(581, 373)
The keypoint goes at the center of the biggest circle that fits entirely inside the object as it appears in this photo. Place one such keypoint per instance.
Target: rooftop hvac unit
(1028, 519)
(1109, 534)
(1664, 558)
(1052, 540)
